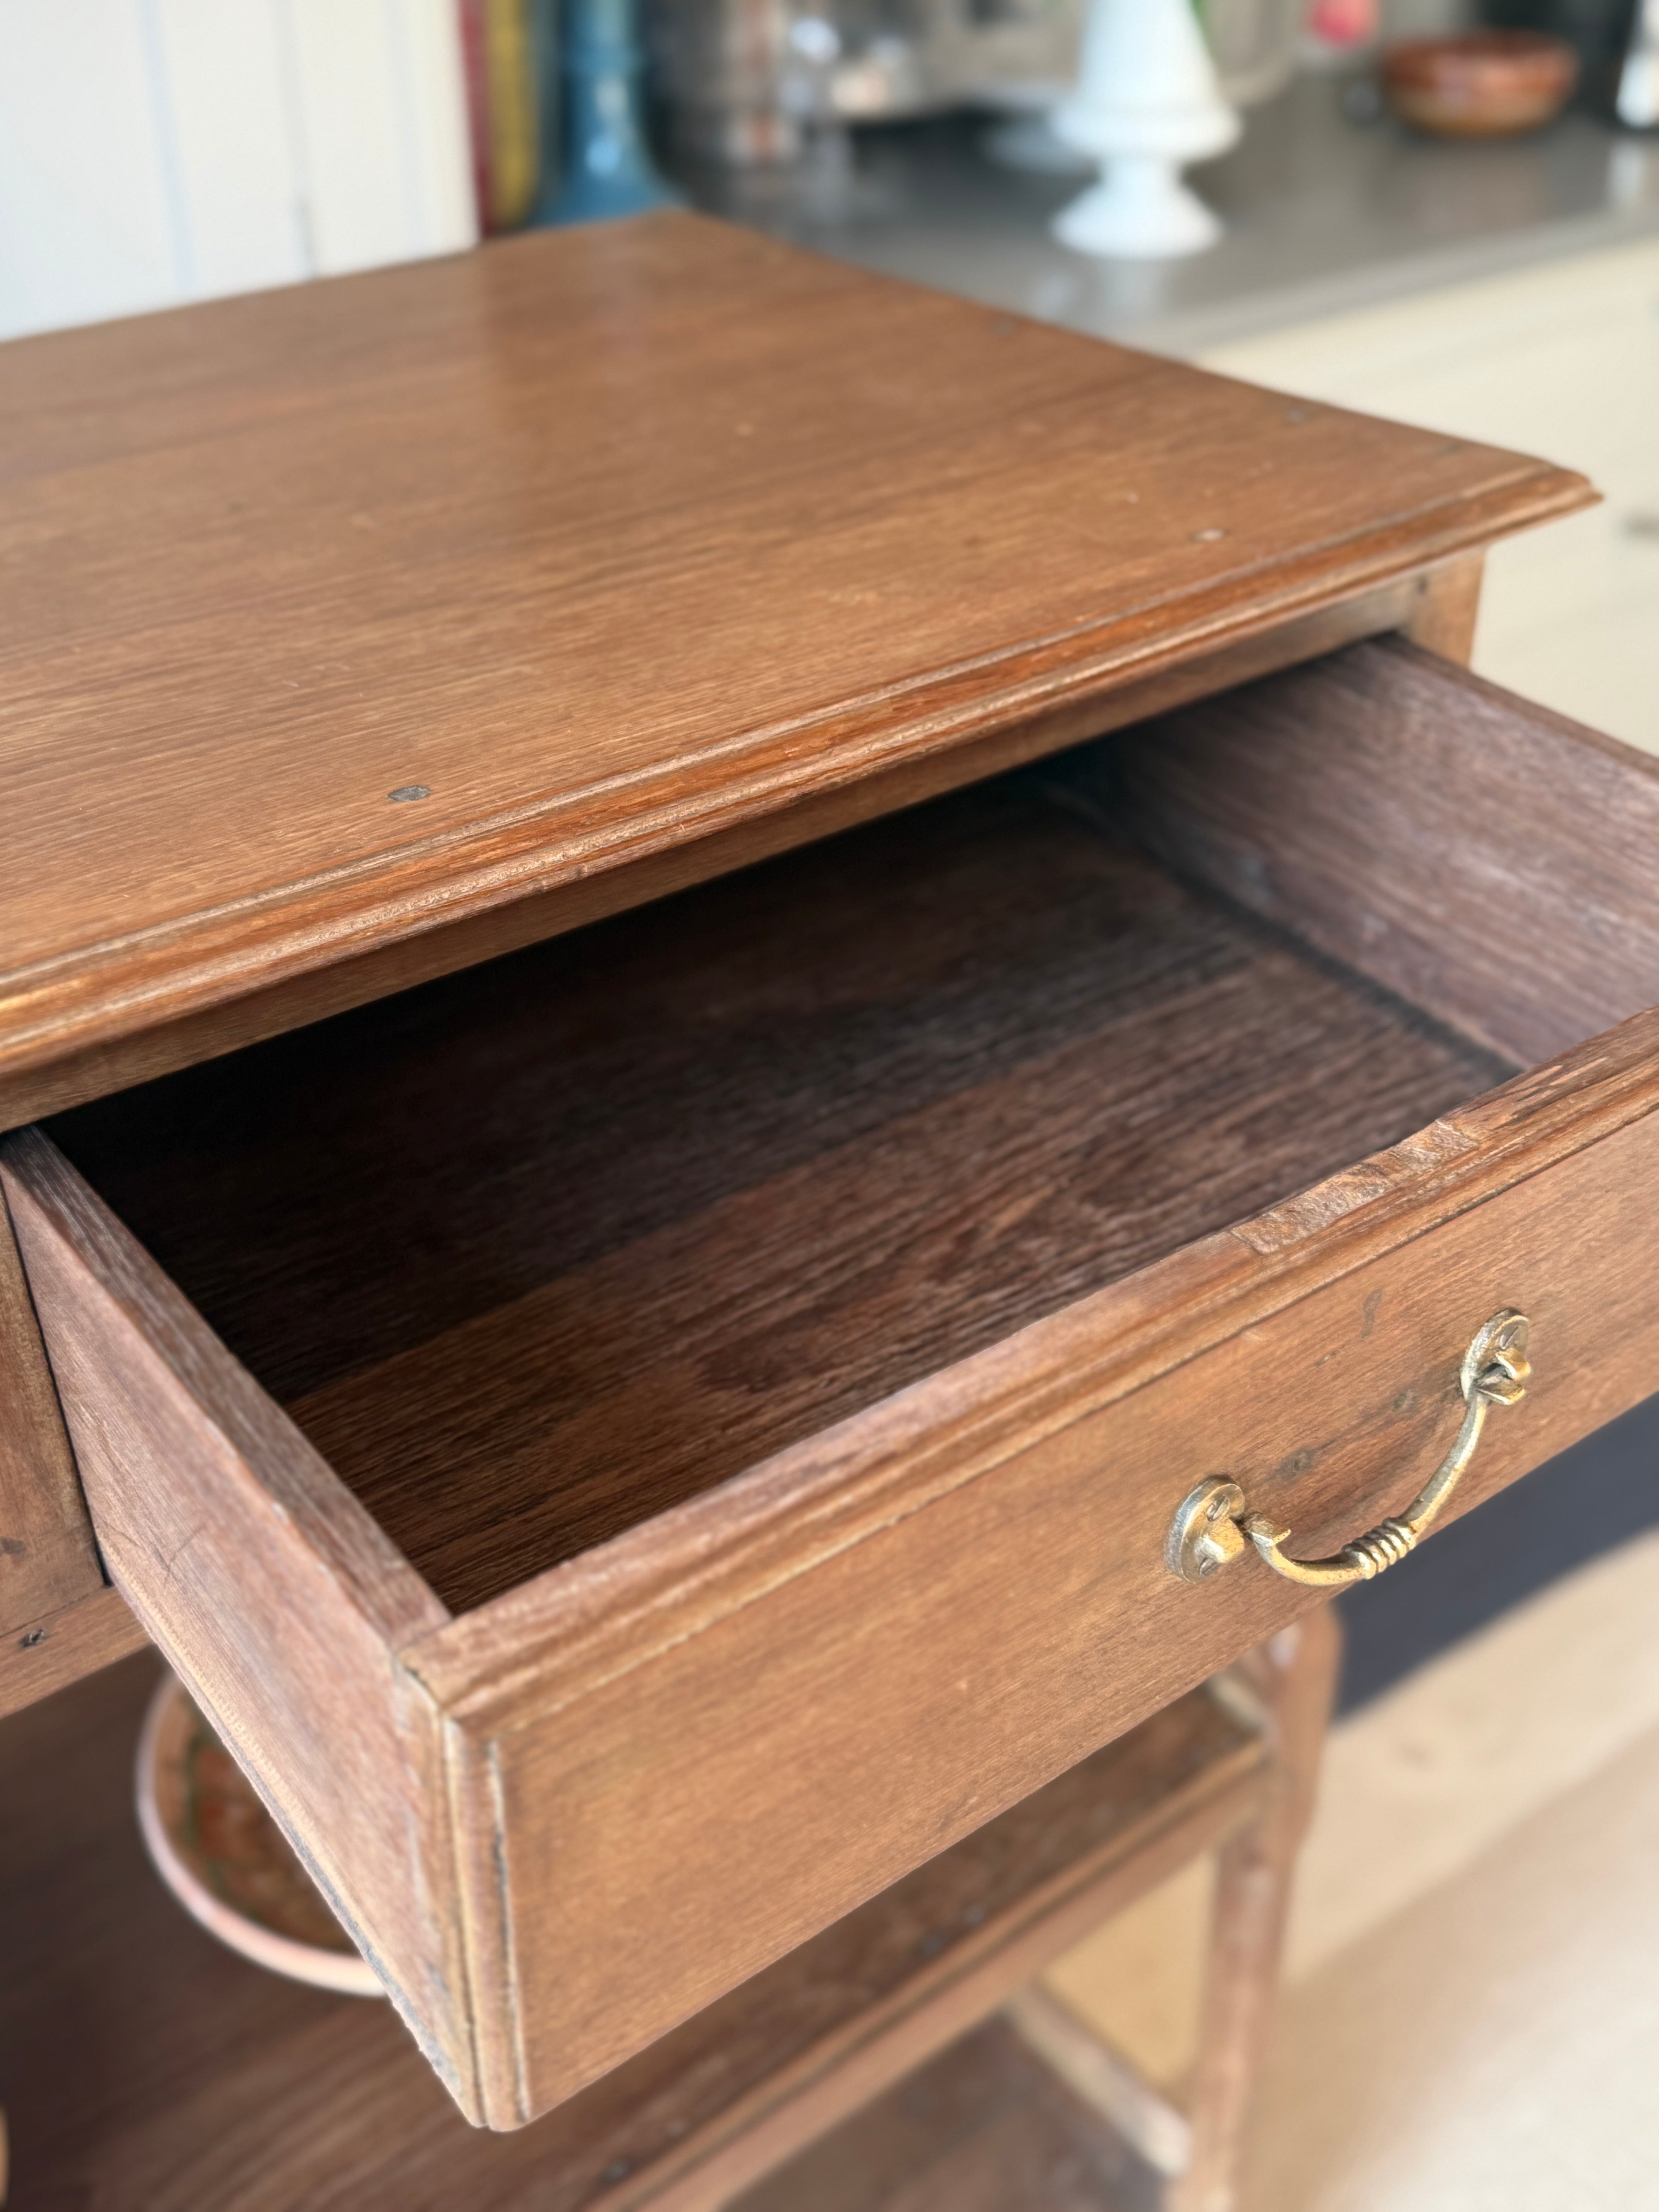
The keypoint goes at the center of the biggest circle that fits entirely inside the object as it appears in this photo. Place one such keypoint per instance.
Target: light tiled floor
(1471, 2019)
(1426, 1779)
(1558, 360)
(1494, 2045)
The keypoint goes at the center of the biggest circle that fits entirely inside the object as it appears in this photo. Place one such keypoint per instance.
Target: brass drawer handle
(1214, 1523)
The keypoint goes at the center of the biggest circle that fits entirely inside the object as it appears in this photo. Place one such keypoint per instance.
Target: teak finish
(582, 1810)
(643, 549)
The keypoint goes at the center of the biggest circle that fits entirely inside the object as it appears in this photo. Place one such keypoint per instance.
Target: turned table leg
(1294, 1674)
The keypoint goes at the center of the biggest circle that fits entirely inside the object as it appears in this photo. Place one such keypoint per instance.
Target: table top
(335, 616)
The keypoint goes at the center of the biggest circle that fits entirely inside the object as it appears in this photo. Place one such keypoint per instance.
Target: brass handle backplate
(1215, 1526)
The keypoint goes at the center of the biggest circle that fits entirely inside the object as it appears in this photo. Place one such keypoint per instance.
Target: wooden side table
(769, 1048)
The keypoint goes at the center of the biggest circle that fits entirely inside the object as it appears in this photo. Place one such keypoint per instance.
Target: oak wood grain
(1287, 1684)
(82, 1073)
(45, 1655)
(540, 1252)
(151, 2070)
(1446, 609)
(48, 1559)
(964, 1591)
(1495, 862)
(264, 1581)
(573, 536)
(890, 2033)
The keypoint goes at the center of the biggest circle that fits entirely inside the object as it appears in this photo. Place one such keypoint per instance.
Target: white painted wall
(154, 151)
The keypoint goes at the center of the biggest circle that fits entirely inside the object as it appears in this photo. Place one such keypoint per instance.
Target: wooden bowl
(226, 1860)
(1484, 84)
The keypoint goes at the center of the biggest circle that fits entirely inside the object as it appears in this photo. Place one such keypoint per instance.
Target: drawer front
(569, 1819)
(642, 1827)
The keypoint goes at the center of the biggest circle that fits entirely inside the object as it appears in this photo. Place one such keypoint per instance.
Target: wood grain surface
(831, 2026)
(264, 1583)
(608, 540)
(539, 1252)
(1493, 861)
(872, 1643)
(47, 1654)
(1443, 621)
(86, 1070)
(674, 1756)
(48, 1559)
(149, 2070)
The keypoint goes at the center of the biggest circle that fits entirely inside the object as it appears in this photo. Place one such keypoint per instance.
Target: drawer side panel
(48, 1560)
(1491, 860)
(269, 1592)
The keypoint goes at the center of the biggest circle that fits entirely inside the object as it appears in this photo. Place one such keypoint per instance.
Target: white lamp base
(1140, 210)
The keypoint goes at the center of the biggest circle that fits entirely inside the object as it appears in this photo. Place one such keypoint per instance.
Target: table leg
(1447, 605)
(1294, 1674)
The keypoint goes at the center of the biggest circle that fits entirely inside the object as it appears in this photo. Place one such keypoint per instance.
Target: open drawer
(640, 1445)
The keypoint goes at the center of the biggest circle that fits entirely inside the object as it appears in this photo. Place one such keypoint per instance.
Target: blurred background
(1472, 2009)
(1500, 286)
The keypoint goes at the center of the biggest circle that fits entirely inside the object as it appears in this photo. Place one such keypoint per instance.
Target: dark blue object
(607, 168)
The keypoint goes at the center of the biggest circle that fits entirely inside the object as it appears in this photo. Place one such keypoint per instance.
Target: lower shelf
(985, 2127)
(147, 2070)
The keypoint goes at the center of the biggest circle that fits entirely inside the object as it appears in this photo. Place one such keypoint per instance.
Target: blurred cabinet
(155, 151)
(1561, 359)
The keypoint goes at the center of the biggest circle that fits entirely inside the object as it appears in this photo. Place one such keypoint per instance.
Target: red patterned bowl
(225, 1859)
(1485, 84)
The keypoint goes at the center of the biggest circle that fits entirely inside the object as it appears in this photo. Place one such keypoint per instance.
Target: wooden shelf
(985, 2127)
(147, 2070)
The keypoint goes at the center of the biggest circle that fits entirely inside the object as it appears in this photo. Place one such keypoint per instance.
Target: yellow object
(514, 95)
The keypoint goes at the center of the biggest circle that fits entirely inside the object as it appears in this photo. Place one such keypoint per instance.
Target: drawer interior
(536, 1251)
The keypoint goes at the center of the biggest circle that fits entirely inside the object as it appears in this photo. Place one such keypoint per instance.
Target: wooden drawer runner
(639, 1446)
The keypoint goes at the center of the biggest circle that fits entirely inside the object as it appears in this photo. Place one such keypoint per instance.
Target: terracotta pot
(1485, 84)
